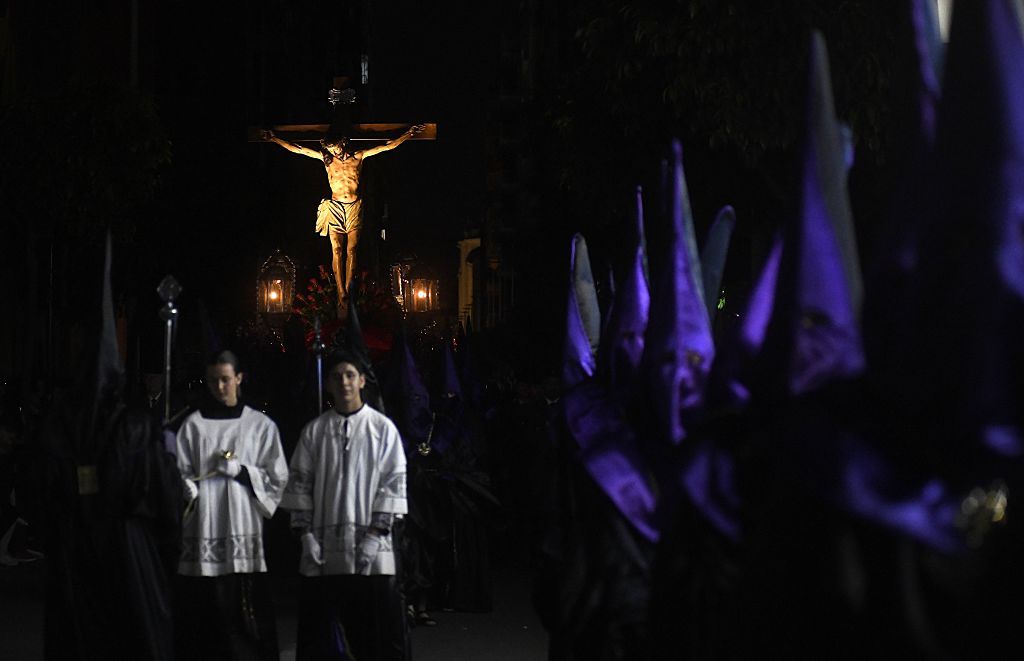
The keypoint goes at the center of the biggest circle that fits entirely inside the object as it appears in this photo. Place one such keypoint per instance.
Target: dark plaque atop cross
(339, 95)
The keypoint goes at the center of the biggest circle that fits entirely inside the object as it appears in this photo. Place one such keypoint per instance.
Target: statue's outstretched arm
(391, 144)
(291, 146)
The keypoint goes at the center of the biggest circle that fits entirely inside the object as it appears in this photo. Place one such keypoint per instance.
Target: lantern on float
(275, 287)
(423, 290)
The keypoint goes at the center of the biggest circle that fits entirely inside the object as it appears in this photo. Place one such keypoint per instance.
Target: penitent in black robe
(112, 539)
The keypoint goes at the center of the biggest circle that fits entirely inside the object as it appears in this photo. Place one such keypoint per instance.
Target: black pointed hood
(354, 342)
(99, 388)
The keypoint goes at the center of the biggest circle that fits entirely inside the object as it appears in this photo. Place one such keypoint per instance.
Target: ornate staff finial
(318, 349)
(169, 289)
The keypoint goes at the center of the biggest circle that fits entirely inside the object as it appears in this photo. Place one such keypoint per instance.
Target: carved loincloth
(338, 216)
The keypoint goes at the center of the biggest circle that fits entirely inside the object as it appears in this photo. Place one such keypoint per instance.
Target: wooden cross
(356, 132)
(343, 238)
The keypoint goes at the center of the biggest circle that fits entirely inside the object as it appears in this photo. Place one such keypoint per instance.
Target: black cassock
(113, 526)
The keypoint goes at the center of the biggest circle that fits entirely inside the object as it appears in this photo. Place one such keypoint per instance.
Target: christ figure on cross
(340, 216)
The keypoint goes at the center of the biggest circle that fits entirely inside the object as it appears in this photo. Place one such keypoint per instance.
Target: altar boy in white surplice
(234, 474)
(346, 486)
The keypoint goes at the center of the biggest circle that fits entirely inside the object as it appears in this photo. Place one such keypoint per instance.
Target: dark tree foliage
(87, 157)
(727, 77)
(84, 158)
(733, 73)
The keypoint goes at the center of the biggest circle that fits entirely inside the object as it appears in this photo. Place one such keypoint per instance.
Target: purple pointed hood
(889, 295)
(593, 408)
(450, 387)
(353, 337)
(826, 168)
(678, 349)
(972, 254)
(610, 452)
(469, 373)
(841, 454)
(814, 334)
(963, 377)
(583, 318)
(735, 366)
(929, 50)
(981, 125)
(409, 397)
(623, 339)
(447, 402)
(712, 257)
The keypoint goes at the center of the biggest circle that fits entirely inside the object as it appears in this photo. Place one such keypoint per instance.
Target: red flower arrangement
(379, 312)
(319, 301)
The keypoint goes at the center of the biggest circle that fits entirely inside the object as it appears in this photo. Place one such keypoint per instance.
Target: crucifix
(339, 217)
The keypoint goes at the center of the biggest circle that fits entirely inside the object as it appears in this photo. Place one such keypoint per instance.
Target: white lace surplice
(224, 532)
(342, 488)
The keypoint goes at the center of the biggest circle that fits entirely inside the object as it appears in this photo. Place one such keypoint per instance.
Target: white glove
(229, 467)
(190, 489)
(366, 552)
(311, 549)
